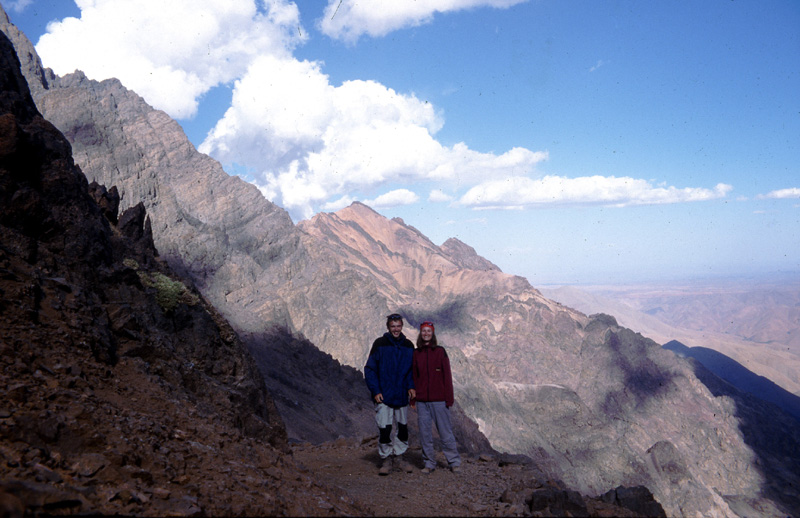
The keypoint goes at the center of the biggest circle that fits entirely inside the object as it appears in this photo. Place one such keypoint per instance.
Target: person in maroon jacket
(434, 397)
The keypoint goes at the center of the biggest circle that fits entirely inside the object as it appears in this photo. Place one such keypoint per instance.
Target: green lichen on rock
(169, 292)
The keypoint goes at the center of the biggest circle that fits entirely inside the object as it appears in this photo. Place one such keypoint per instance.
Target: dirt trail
(483, 487)
(353, 467)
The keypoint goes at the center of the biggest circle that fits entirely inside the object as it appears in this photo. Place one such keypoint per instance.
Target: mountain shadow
(739, 376)
(318, 398)
(770, 432)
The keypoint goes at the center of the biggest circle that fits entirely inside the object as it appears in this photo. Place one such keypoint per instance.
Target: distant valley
(756, 323)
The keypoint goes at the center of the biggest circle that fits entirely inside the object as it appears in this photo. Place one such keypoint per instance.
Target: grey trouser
(388, 445)
(437, 413)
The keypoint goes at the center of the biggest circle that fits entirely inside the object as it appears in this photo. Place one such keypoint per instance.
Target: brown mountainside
(124, 392)
(592, 403)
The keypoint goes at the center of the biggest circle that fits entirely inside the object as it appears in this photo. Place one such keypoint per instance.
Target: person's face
(426, 333)
(395, 327)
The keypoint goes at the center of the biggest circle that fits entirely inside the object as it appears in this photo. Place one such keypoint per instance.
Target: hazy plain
(754, 320)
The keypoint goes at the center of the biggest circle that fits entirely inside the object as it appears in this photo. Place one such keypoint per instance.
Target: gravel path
(484, 486)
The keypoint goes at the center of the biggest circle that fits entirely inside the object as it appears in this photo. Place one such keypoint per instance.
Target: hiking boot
(405, 465)
(386, 466)
(456, 469)
(427, 471)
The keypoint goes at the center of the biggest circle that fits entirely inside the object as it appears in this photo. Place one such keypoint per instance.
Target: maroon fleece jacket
(432, 378)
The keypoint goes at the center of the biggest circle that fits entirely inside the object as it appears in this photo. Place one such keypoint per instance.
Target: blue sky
(566, 141)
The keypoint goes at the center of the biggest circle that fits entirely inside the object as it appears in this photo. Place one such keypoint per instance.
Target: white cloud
(307, 144)
(393, 198)
(349, 19)
(170, 53)
(303, 141)
(517, 192)
(333, 206)
(780, 194)
(306, 141)
(599, 64)
(18, 6)
(478, 221)
(439, 196)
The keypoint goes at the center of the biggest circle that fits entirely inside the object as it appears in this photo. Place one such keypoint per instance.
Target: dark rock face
(124, 391)
(592, 403)
(638, 499)
(558, 502)
(739, 376)
(308, 383)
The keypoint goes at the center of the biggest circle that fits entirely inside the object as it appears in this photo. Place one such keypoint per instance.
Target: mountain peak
(465, 256)
(360, 208)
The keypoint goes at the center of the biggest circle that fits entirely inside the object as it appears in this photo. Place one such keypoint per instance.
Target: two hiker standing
(397, 374)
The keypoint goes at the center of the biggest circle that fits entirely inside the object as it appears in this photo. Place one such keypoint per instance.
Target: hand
(379, 398)
(412, 394)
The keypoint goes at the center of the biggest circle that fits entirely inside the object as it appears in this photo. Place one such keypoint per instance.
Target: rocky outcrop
(592, 403)
(124, 392)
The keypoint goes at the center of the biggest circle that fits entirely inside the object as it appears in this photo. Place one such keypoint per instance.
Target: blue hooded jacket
(388, 369)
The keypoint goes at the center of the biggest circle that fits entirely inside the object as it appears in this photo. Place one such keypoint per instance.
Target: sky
(569, 142)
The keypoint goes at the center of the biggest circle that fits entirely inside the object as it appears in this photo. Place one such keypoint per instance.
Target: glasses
(394, 316)
(426, 323)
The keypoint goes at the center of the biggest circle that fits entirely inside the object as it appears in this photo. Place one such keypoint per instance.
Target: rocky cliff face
(593, 403)
(124, 392)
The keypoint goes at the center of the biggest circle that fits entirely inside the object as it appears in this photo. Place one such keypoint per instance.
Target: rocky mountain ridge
(592, 403)
(124, 392)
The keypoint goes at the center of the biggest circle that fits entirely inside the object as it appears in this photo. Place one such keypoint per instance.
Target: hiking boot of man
(456, 469)
(427, 471)
(386, 466)
(405, 465)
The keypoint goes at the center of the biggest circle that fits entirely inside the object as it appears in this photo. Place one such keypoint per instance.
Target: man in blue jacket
(389, 378)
